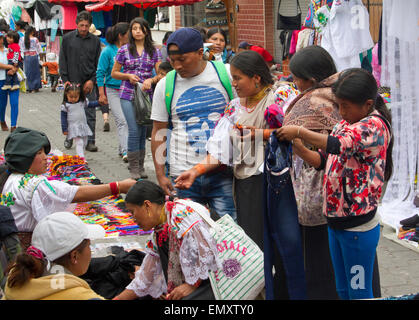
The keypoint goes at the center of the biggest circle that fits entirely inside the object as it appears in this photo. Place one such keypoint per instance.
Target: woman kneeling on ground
(181, 253)
(30, 195)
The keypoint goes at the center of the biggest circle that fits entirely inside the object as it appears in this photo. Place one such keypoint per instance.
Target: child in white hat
(50, 268)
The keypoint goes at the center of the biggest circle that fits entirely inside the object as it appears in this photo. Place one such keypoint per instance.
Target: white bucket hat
(60, 232)
(93, 30)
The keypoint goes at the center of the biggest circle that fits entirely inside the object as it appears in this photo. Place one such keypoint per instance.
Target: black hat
(21, 147)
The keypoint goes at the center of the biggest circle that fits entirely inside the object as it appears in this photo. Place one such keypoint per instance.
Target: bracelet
(197, 283)
(114, 188)
(266, 134)
(200, 168)
(298, 132)
(119, 190)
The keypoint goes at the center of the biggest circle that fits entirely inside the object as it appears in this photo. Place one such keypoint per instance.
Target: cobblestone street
(398, 265)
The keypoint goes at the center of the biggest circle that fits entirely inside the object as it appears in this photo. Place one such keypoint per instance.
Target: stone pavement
(399, 266)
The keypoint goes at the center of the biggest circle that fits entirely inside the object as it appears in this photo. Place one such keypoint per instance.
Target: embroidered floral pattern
(7, 199)
(25, 179)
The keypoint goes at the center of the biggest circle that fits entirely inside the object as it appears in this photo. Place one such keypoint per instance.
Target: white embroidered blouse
(33, 197)
(198, 252)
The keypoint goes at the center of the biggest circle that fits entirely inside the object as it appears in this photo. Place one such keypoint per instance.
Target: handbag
(289, 22)
(308, 190)
(241, 276)
(21, 76)
(142, 106)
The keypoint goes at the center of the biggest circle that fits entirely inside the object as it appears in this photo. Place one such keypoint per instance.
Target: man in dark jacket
(79, 57)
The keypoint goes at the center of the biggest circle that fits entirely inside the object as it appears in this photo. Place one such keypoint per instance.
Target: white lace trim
(149, 280)
(198, 257)
(198, 254)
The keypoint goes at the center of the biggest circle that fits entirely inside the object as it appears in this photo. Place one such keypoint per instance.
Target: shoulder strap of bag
(222, 74)
(204, 217)
(298, 6)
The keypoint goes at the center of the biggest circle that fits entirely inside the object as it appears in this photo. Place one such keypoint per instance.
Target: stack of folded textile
(409, 229)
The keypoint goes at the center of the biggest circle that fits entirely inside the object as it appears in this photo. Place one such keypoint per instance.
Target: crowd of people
(216, 116)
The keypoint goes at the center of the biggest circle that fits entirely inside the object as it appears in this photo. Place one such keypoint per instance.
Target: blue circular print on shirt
(199, 108)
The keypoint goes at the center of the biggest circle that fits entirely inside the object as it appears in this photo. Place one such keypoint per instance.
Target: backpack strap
(223, 77)
(171, 82)
(169, 90)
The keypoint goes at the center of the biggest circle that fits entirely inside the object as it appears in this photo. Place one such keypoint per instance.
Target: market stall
(110, 212)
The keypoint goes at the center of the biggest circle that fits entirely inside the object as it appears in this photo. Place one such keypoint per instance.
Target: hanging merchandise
(216, 15)
(400, 72)
(312, 8)
(321, 18)
(344, 35)
(289, 22)
(150, 15)
(98, 19)
(16, 13)
(69, 17)
(25, 16)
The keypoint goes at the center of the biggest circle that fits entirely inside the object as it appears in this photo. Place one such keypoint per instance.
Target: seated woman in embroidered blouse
(181, 252)
(29, 194)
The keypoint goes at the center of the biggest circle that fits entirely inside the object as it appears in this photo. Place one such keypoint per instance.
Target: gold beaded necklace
(256, 98)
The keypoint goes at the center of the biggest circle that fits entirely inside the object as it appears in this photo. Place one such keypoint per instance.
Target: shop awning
(106, 5)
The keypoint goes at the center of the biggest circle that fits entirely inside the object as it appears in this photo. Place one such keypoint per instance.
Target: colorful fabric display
(109, 212)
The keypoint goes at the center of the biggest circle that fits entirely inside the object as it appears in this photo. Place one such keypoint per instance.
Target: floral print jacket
(355, 169)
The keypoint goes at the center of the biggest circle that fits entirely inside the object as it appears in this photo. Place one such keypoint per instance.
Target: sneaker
(6, 87)
(125, 158)
(68, 143)
(91, 147)
(106, 126)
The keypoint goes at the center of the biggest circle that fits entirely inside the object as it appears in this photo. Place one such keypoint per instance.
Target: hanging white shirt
(347, 33)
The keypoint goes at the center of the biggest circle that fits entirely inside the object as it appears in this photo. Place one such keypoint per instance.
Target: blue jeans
(212, 189)
(353, 255)
(136, 133)
(282, 233)
(14, 104)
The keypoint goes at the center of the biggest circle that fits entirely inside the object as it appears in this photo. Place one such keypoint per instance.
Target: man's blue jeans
(214, 189)
(136, 133)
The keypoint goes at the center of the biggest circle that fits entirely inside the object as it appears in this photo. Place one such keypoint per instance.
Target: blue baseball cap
(186, 39)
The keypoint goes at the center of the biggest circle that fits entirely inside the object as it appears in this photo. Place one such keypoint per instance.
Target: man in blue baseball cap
(190, 100)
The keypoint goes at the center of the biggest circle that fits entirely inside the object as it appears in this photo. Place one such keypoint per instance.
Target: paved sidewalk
(399, 266)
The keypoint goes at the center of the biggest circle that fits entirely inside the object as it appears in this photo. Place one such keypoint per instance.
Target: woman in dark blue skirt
(31, 50)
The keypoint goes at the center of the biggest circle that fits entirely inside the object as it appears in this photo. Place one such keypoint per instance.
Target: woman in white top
(29, 194)
(181, 252)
